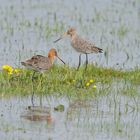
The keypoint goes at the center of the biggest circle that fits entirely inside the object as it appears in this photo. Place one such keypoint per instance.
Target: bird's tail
(23, 63)
(97, 50)
(100, 50)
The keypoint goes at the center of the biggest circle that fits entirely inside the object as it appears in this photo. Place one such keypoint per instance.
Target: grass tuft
(64, 80)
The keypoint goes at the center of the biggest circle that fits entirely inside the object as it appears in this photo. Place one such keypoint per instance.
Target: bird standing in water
(40, 63)
(80, 45)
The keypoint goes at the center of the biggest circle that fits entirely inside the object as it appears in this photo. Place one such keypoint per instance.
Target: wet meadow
(101, 102)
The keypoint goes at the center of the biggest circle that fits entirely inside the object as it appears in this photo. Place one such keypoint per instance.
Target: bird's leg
(41, 78)
(79, 62)
(32, 97)
(86, 61)
(40, 100)
(33, 76)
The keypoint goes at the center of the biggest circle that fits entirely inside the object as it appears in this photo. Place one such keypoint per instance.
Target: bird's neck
(51, 59)
(74, 36)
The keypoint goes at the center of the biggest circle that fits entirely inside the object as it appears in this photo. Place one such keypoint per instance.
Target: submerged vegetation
(63, 80)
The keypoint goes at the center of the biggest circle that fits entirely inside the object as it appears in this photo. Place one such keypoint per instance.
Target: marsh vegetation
(99, 103)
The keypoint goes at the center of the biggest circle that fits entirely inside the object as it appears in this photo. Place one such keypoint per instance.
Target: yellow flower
(94, 86)
(7, 68)
(10, 70)
(16, 71)
(10, 73)
(91, 81)
(87, 84)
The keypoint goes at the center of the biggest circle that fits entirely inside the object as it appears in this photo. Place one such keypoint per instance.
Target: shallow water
(30, 26)
(104, 118)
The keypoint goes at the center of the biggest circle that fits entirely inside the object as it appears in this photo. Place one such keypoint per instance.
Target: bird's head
(53, 53)
(70, 32)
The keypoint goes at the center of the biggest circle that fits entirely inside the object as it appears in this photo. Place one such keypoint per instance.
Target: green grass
(63, 80)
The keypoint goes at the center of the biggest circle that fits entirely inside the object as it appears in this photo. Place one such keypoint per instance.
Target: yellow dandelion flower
(10, 73)
(94, 86)
(7, 68)
(16, 71)
(87, 84)
(10, 70)
(91, 81)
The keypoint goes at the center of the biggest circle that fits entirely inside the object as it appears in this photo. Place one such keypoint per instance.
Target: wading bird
(80, 45)
(40, 63)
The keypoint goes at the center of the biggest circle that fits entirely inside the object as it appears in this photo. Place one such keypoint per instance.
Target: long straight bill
(61, 59)
(58, 39)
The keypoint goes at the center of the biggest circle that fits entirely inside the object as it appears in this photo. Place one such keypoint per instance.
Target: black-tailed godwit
(42, 63)
(80, 45)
